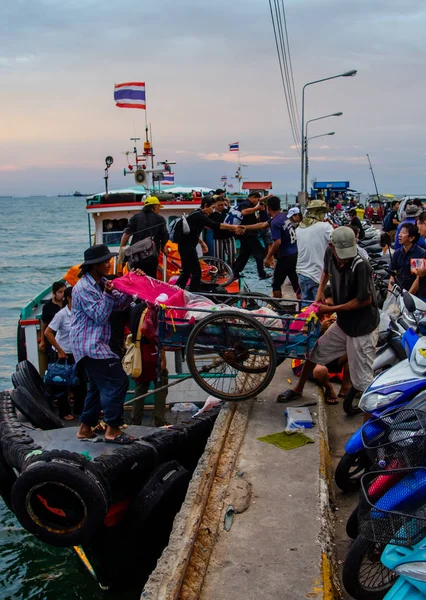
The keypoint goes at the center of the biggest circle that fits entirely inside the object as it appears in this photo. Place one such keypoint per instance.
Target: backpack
(387, 221)
(141, 251)
(234, 216)
(178, 228)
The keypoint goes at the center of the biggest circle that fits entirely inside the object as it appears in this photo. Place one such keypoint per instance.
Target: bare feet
(114, 432)
(85, 432)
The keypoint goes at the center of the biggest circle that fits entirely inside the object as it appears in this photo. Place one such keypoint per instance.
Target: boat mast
(374, 179)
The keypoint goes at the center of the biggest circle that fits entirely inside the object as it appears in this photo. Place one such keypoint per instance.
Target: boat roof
(257, 185)
(141, 190)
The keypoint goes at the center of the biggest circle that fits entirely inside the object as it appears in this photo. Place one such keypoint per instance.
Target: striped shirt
(91, 309)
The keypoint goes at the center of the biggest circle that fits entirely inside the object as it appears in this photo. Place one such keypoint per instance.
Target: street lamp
(336, 114)
(346, 74)
(306, 161)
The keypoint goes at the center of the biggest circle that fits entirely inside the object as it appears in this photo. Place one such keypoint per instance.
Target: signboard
(331, 185)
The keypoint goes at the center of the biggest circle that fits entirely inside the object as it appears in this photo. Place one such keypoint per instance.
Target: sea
(40, 238)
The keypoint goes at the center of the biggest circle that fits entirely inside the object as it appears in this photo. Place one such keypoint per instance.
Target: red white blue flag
(130, 95)
(224, 178)
(235, 147)
(169, 179)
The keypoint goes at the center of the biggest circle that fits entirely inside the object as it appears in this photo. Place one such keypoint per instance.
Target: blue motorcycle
(393, 389)
(409, 566)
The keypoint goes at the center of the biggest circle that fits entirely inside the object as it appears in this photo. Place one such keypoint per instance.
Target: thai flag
(130, 95)
(169, 179)
(235, 147)
(224, 178)
(230, 185)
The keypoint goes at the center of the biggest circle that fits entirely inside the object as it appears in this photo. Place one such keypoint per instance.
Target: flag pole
(239, 170)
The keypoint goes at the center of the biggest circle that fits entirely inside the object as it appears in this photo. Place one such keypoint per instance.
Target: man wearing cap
(284, 245)
(148, 223)
(94, 299)
(313, 236)
(355, 331)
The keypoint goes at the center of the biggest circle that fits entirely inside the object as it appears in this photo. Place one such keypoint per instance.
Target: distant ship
(76, 194)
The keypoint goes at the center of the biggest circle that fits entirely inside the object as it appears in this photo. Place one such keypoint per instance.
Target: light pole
(346, 74)
(306, 161)
(336, 114)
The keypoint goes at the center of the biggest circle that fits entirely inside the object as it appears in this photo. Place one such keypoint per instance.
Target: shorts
(361, 353)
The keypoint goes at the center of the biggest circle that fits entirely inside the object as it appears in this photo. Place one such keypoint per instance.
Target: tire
(32, 374)
(350, 402)
(234, 346)
(60, 502)
(35, 410)
(352, 529)
(253, 301)
(350, 469)
(364, 576)
(220, 272)
(23, 378)
(7, 479)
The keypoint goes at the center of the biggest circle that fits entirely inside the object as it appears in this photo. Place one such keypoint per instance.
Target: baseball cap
(293, 211)
(151, 200)
(344, 242)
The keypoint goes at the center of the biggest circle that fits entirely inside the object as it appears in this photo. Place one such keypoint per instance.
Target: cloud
(252, 159)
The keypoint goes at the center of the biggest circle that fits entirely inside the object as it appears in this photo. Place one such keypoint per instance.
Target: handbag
(63, 375)
(132, 360)
(141, 251)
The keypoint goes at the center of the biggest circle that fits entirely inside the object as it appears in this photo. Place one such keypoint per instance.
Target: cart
(233, 354)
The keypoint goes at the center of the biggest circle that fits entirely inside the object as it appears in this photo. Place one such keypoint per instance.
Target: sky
(212, 78)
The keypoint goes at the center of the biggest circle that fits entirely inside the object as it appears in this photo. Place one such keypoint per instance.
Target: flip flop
(121, 440)
(288, 396)
(331, 400)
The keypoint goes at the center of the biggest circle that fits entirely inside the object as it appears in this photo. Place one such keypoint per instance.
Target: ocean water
(40, 239)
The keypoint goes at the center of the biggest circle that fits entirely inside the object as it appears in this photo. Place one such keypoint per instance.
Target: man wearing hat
(147, 224)
(94, 299)
(412, 211)
(313, 236)
(284, 246)
(355, 331)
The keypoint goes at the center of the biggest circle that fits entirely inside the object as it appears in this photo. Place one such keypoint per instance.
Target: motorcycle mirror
(409, 303)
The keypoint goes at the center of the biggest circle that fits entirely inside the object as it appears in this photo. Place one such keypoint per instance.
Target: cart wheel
(214, 270)
(231, 356)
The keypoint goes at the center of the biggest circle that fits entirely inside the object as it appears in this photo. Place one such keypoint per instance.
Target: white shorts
(361, 353)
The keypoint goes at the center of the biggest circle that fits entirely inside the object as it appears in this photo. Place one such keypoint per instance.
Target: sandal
(121, 440)
(288, 396)
(331, 400)
(92, 438)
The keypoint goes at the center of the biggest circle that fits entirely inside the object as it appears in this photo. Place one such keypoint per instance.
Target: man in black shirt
(356, 223)
(224, 241)
(148, 223)
(355, 331)
(197, 221)
(250, 244)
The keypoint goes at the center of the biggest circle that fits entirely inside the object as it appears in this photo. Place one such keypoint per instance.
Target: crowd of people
(321, 260)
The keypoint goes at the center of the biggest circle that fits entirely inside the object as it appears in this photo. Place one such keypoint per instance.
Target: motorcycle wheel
(363, 575)
(350, 469)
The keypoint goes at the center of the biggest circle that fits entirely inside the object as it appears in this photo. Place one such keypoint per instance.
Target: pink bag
(149, 289)
(308, 313)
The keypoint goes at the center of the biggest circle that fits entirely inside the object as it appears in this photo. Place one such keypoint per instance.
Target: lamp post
(346, 74)
(336, 114)
(306, 161)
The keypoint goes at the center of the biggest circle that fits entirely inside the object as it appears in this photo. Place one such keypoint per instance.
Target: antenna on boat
(374, 179)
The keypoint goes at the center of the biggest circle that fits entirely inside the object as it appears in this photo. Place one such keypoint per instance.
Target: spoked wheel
(364, 576)
(216, 271)
(231, 356)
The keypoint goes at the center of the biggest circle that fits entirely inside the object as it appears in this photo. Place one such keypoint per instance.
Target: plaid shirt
(91, 310)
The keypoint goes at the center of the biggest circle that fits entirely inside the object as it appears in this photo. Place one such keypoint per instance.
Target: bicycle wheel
(231, 356)
(214, 270)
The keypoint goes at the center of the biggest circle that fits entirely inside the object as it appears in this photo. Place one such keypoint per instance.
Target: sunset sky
(212, 78)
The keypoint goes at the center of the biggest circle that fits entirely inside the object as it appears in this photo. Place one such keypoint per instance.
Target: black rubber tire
(190, 355)
(35, 410)
(67, 488)
(350, 469)
(252, 305)
(352, 528)
(7, 479)
(23, 378)
(356, 559)
(226, 269)
(32, 374)
(350, 405)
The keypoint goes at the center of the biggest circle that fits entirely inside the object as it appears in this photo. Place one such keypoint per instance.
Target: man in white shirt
(313, 236)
